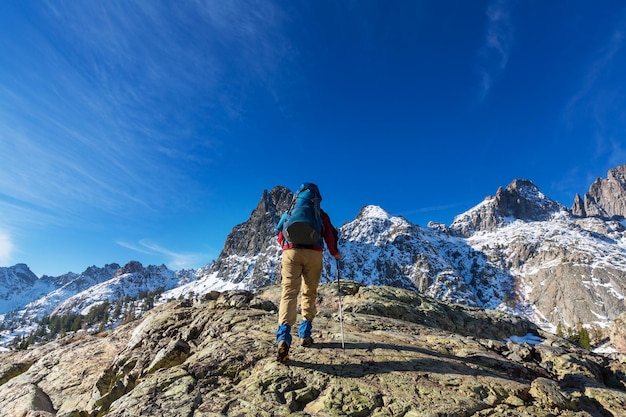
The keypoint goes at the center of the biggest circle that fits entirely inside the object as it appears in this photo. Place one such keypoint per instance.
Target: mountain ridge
(497, 255)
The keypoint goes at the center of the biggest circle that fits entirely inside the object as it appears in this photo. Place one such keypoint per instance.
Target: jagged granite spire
(606, 197)
(578, 209)
(250, 252)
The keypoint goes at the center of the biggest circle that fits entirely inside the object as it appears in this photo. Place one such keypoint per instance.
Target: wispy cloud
(6, 248)
(175, 260)
(494, 54)
(600, 100)
(437, 208)
(115, 107)
(597, 70)
(617, 151)
(135, 247)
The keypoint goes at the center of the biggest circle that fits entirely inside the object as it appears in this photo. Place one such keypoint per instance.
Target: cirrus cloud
(6, 248)
(175, 260)
(494, 54)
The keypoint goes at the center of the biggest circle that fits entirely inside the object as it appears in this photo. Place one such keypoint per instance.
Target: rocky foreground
(405, 355)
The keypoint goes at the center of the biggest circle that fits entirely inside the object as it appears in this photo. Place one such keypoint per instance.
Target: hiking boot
(282, 354)
(304, 332)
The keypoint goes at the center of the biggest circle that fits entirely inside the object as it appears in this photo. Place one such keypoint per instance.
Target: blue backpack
(302, 224)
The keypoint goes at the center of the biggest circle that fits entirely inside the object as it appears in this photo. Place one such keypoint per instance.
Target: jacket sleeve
(331, 235)
(279, 229)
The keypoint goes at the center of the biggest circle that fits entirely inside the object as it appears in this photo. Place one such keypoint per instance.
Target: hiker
(302, 231)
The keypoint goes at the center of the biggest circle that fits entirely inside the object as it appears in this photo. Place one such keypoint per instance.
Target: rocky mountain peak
(250, 251)
(93, 270)
(250, 237)
(606, 197)
(374, 212)
(278, 198)
(15, 282)
(377, 227)
(520, 200)
(19, 272)
(130, 268)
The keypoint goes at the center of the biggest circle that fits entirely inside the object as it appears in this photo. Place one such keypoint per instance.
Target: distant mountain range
(518, 251)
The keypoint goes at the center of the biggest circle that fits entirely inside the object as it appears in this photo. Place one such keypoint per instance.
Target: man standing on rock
(302, 231)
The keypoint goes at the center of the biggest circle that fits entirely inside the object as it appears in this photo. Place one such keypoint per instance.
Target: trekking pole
(343, 345)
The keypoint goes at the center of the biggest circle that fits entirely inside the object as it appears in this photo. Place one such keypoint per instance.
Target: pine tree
(559, 330)
(583, 338)
(77, 324)
(118, 309)
(130, 313)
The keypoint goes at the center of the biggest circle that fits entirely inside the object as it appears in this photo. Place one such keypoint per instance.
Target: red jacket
(329, 233)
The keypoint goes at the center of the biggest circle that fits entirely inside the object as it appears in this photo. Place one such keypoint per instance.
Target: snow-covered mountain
(518, 251)
(66, 286)
(129, 280)
(565, 268)
(19, 285)
(26, 298)
(381, 249)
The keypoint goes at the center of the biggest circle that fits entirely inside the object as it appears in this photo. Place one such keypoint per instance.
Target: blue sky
(146, 130)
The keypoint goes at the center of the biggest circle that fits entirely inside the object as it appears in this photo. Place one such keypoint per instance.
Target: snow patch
(375, 212)
(202, 286)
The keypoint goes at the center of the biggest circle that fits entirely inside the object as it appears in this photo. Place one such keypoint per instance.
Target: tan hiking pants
(301, 268)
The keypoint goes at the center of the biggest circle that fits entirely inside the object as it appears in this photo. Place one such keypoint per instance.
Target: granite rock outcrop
(250, 253)
(405, 354)
(606, 197)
